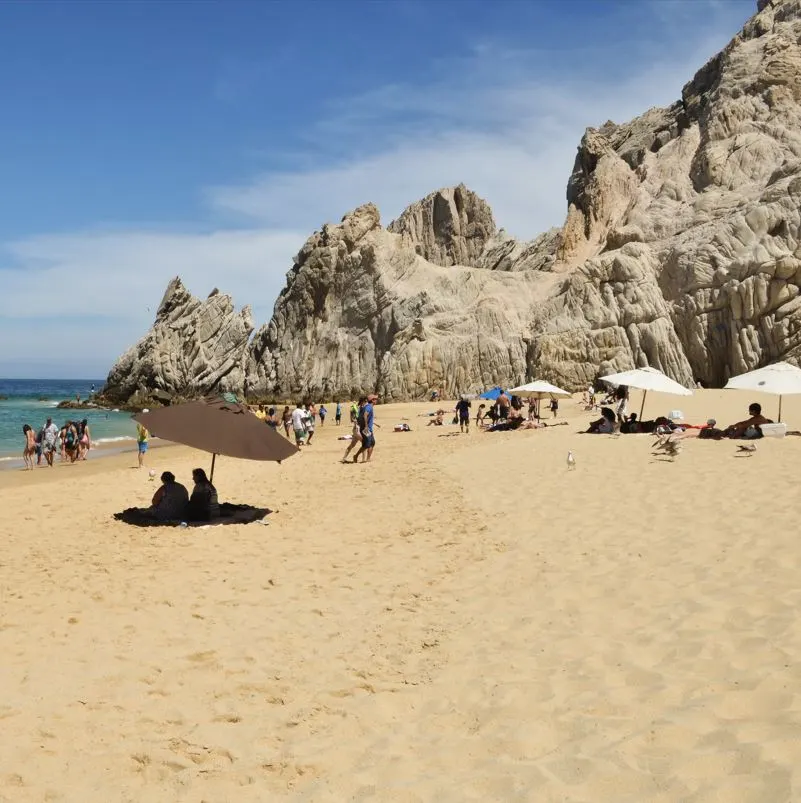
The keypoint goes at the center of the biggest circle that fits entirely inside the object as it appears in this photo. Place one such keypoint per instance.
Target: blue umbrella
(492, 395)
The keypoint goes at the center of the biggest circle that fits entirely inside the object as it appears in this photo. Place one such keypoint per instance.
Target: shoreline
(102, 450)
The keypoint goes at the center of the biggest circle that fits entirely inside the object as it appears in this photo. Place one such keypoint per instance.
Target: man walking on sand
(368, 439)
(463, 409)
(49, 440)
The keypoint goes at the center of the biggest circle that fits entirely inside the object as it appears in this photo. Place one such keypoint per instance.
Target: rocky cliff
(193, 348)
(681, 249)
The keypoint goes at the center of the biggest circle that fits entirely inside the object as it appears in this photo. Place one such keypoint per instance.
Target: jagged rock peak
(193, 348)
(448, 227)
(681, 249)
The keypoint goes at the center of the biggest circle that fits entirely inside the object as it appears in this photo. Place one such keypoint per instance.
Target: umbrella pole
(213, 459)
(642, 406)
(780, 409)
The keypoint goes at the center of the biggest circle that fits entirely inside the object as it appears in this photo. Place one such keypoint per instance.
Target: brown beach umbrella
(220, 427)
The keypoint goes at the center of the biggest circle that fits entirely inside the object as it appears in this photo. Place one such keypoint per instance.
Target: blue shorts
(142, 447)
(368, 442)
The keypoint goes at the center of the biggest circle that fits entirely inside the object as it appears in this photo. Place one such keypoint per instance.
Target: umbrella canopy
(647, 379)
(219, 427)
(780, 379)
(539, 390)
(492, 395)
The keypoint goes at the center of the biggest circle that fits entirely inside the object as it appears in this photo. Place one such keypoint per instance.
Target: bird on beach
(666, 445)
(571, 461)
(748, 448)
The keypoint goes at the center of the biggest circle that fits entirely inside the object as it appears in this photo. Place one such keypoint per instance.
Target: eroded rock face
(194, 348)
(448, 227)
(363, 311)
(681, 249)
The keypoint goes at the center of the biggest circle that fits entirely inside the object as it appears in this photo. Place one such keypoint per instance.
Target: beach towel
(229, 514)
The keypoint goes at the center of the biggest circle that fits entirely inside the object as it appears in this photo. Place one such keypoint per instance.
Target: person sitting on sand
(605, 425)
(750, 428)
(203, 504)
(437, 420)
(170, 500)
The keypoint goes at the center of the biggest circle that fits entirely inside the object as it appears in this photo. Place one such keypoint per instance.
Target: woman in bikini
(30, 447)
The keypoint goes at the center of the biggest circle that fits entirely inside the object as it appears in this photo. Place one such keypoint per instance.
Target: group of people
(363, 419)
(500, 413)
(749, 428)
(172, 501)
(73, 441)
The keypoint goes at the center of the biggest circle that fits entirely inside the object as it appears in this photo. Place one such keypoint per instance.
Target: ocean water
(31, 401)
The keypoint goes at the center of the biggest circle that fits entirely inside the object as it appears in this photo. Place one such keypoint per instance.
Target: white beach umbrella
(647, 379)
(539, 390)
(780, 379)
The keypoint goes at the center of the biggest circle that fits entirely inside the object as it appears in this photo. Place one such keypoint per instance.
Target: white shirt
(298, 417)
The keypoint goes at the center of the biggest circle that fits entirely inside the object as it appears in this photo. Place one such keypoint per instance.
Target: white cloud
(88, 296)
(505, 122)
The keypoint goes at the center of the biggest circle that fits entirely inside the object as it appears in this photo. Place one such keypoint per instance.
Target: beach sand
(463, 619)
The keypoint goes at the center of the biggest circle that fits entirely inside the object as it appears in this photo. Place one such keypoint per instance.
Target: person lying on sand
(750, 428)
(437, 420)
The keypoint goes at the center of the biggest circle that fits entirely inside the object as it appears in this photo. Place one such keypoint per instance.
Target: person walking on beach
(622, 396)
(554, 407)
(309, 424)
(323, 414)
(29, 450)
(356, 434)
(299, 424)
(142, 438)
(84, 439)
(286, 418)
(368, 439)
(49, 440)
(338, 414)
(480, 416)
(463, 409)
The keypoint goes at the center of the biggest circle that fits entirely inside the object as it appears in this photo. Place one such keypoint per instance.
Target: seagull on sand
(571, 461)
(748, 448)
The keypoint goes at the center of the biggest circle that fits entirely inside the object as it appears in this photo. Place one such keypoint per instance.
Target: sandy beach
(462, 619)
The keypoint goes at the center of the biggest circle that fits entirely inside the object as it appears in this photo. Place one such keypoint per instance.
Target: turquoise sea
(31, 401)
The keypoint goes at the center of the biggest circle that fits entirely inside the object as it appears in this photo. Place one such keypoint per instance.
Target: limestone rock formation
(681, 249)
(448, 227)
(193, 348)
(362, 310)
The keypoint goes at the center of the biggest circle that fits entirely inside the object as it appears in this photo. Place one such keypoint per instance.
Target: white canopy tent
(779, 379)
(646, 379)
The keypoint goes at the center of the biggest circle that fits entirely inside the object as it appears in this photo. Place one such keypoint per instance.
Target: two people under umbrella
(172, 501)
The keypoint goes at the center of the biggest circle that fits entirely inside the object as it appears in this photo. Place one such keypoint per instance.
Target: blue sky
(208, 139)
